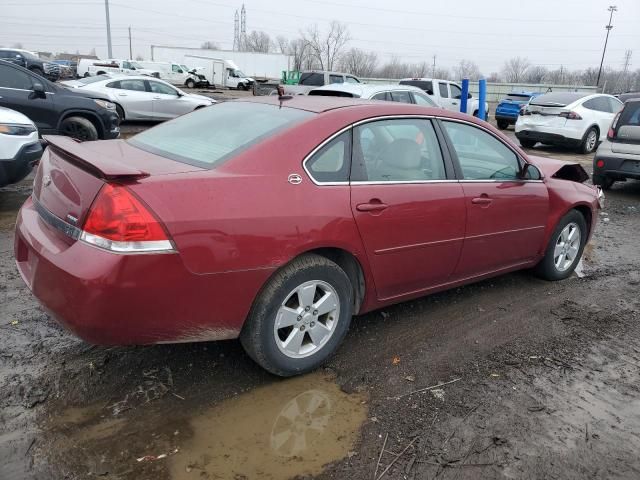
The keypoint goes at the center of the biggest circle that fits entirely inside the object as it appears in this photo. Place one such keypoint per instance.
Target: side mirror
(469, 96)
(530, 172)
(429, 92)
(38, 90)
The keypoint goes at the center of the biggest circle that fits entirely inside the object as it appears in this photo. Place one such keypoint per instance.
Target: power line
(611, 9)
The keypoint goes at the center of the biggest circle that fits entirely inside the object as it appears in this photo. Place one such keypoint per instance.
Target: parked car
(618, 157)
(144, 98)
(391, 93)
(19, 146)
(509, 107)
(55, 109)
(68, 68)
(211, 226)
(447, 94)
(87, 67)
(31, 62)
(574, 119)
(311, 79)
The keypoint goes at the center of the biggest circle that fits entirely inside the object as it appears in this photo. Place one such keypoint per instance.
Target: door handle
(482, 200)
(372, 206)
(122, 94)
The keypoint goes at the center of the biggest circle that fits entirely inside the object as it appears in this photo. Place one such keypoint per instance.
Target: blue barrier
(482, 98)
(465, 95)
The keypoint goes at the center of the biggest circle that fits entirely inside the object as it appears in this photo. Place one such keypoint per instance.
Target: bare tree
(17, 45)
(326, 48)
(467, 69)
(258, 41)
(358, 62)
(440, 72)
(420, 69)
(209, 45)
(493, 77)
(139, 58)
(535, 74)
(514, 69)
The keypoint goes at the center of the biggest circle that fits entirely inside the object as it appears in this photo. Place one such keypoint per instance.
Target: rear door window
(422, 99)
(382, 96)
(135, 85)
(444, 90)
(332, 162)
(455, 91)
(402, 97)
(599, 104)
(336, 79)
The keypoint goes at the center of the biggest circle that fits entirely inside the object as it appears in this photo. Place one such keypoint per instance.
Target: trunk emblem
(294, 179)
(46, 180)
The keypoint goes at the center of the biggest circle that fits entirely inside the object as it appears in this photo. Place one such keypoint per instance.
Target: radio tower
(243, 28)
(236, 32)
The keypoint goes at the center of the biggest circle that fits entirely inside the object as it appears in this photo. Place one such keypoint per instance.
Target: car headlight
(105, 104)
(21, 130)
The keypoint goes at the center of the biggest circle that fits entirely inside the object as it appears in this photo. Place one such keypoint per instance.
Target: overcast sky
(547, 32)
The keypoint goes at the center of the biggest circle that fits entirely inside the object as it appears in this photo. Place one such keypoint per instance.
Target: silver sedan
(141, 97)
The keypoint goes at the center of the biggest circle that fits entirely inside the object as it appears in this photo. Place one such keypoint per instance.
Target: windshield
(136, 65)
(185, 68)
(210, 136)
(239, 73)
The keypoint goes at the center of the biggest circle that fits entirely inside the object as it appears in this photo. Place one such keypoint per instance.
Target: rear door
(16, 92)
(506, 215)
(133, 96)
(166, 101)
(409, 210)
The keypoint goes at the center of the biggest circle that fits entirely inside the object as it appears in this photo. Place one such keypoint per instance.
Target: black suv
(57, 110)
(29, 61)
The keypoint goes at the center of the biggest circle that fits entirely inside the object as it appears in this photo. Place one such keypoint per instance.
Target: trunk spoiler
(100, 165)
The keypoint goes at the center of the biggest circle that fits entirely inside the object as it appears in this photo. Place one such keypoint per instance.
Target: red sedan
(276, 220)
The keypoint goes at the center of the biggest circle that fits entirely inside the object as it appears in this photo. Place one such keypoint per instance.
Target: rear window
(425, 85)
(331, 93)
(557, 99)
(630, 114)
(211, 135)
(518, 97)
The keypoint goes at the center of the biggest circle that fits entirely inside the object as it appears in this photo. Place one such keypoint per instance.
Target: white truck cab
(235, 77)
(446, 93)
(89, 67)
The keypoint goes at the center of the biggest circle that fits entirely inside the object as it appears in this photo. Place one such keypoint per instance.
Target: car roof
(363, 90)
(560, 99)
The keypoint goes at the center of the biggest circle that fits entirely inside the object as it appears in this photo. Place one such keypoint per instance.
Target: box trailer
(256, 65)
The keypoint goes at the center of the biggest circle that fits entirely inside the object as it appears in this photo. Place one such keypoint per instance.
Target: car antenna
(281, 94)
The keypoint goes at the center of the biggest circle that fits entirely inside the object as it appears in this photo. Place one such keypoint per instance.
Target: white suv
(578, 120)
(19, 146)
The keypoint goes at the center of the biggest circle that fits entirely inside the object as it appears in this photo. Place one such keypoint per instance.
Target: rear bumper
(115, 299)
(625, 166)
(548, 138)
(506, 116)
(14, 169)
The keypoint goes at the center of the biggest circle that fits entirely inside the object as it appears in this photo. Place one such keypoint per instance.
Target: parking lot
(511, 377)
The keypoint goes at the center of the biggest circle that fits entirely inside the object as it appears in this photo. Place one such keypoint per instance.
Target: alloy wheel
(306, 319)
(75, 130)
(567, 247)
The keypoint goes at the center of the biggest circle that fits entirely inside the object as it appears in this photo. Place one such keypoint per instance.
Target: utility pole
(612, 8)
(109, 49)
(130, 49)
(433, 74)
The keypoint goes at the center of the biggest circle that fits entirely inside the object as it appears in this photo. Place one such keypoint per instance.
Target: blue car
(509, 107)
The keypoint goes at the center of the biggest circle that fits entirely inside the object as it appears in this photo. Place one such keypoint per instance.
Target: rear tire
(318, 318)
(527, 143)
(503, 124)
(589, 141)
(79, 128)
(565, 248)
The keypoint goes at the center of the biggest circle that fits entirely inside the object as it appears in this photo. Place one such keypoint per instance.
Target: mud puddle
(287, 428)
(293, 427)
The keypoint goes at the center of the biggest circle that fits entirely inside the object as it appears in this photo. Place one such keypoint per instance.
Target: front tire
(79, 128)
(120, 112)
(589, 141)
(503, 124)
(37, 71)
(300, 317)
(527, 143)
(565, 248)
(191, 83)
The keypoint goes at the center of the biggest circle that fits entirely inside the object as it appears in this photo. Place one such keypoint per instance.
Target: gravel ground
(543, 383)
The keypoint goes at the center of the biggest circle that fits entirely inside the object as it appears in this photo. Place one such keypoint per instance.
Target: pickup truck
(88, 67)
(446, 93)
(316, 78)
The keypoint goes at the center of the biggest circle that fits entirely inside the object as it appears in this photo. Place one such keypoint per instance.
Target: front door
(410, 213)
(506, 215)
(133, 96)
(166, 101)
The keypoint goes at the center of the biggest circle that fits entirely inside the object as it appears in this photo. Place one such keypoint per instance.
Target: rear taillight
(570, 115)
(118, 221)
(600, 164)
(612, 129)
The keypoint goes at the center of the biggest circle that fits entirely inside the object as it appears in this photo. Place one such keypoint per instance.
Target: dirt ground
(539, 380)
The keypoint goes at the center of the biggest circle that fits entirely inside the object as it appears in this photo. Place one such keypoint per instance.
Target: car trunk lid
(548, 115)
(71, 174)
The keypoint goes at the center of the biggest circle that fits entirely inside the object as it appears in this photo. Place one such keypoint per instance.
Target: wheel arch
(84, 114)
(585, 211)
